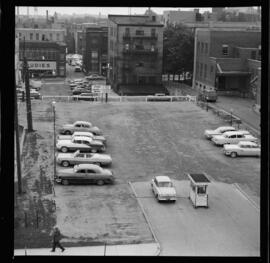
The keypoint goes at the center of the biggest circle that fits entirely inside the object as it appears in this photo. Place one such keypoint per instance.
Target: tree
(178, 49)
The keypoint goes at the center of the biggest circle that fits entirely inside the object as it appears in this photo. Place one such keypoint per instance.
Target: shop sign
(41, 65)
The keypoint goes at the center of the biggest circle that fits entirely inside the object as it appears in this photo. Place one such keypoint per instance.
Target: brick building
(135, 54)
(95, 49)
(45, 58)
(227, 60)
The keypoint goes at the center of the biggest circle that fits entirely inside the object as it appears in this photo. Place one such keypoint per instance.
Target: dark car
(86, 96)
(85, 174)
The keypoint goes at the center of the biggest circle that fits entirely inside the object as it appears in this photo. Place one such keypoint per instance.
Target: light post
(54, 140)
(231, 111)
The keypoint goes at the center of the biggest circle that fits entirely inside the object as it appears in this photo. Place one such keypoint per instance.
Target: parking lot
(144, 140)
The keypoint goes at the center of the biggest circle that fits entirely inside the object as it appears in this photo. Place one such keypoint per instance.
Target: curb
(237, 186)
(147, 220)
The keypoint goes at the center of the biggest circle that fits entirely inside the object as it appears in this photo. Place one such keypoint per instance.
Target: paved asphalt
(229, 227)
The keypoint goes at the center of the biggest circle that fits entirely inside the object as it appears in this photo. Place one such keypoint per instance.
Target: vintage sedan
(163, 188)
(84, 144)
(85, 134)
(85, 174)
(232, 137)
(69, 129)
(242, 149)
(67, 159)
(210, 133)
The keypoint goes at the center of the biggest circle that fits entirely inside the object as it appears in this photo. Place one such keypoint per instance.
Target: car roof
(226, 127)
(248, 143)
(232, 132)
(87, 166)
(163, 178)
(82, 138)
(81, 133)
(83, 122)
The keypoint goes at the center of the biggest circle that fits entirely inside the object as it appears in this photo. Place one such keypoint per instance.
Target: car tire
(100, 182)
(233, 154)
(65, 163)
(65, 182)
(67, 132)
(64, 149)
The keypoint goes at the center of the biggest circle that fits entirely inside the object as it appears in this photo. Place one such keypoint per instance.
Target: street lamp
(54, 139)
(231, 111)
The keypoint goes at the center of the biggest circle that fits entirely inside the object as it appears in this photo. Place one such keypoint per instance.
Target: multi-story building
(41, 34)
(135, 54)
(227, 60)
(95, 49)
(45, 58)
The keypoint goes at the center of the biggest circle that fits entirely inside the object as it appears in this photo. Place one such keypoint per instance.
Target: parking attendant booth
(198, 189)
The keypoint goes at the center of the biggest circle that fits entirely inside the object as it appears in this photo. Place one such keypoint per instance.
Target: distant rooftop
(134, 20)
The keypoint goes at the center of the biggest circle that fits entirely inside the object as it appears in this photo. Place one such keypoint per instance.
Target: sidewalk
(150, 249)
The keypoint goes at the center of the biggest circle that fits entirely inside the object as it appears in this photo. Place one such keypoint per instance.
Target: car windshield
(165, 184)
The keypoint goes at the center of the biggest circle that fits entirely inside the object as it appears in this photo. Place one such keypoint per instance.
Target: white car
(67, 159)
(69, 129)
(210, 133)
(84, 144)
(232, 137)
(242, 149)
(163, 188)
(84, 134)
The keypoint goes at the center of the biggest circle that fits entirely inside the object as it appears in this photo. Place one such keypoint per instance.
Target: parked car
(67, 159)
(232, 137)
(163, 188)
(158, 97)
(33, 93)
(208, 95)
(84, 134)
(84, 144)
(210, 133)
(77, 68)
(85, 96)
(85, 174)
(80, 126)
(243, 148)
(78, 90)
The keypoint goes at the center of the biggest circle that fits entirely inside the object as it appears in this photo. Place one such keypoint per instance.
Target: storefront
(45, 59)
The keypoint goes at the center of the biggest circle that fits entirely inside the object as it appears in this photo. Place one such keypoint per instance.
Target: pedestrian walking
(57, 236)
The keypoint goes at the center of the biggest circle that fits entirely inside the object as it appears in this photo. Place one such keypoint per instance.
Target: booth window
(225, 50)
(201, 189)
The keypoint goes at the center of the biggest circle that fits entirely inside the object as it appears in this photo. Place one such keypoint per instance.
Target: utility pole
(27, 90)
(18, 154)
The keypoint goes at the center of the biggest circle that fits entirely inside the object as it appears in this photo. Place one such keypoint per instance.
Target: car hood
(231, 146)
(107, 172)
(94, 142)
(63, 142)
(100, 138)
(218, 137)
(68, 126)
(64, 155)
(166, 191)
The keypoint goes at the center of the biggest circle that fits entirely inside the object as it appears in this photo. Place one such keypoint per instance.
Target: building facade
(41, 34)
(95, 49)
(45, 58)
(135, 54)
(227, 60)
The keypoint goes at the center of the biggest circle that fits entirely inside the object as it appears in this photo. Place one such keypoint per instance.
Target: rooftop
(198, 178)
(134, 20)
(163, 178)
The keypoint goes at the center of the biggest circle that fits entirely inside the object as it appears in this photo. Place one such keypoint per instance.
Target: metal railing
(125, 98)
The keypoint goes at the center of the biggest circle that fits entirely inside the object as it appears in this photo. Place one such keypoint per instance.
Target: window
(201, 69)
(206, 48)
(202, 47)
(43, 37)
(205, 71)
(152, 48)
(253, 54)
(80, 155)
(127, 32)
(201, 189)
(82, 171)
(37, 36)
(126, 46)
(139, 32)
(225, 50)
(57, 37)
(31, 36)
(78, 125)
(91, 171)
(153, 32)
(211, 69)
(240, 136)
(94, 54)
(51, 36)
